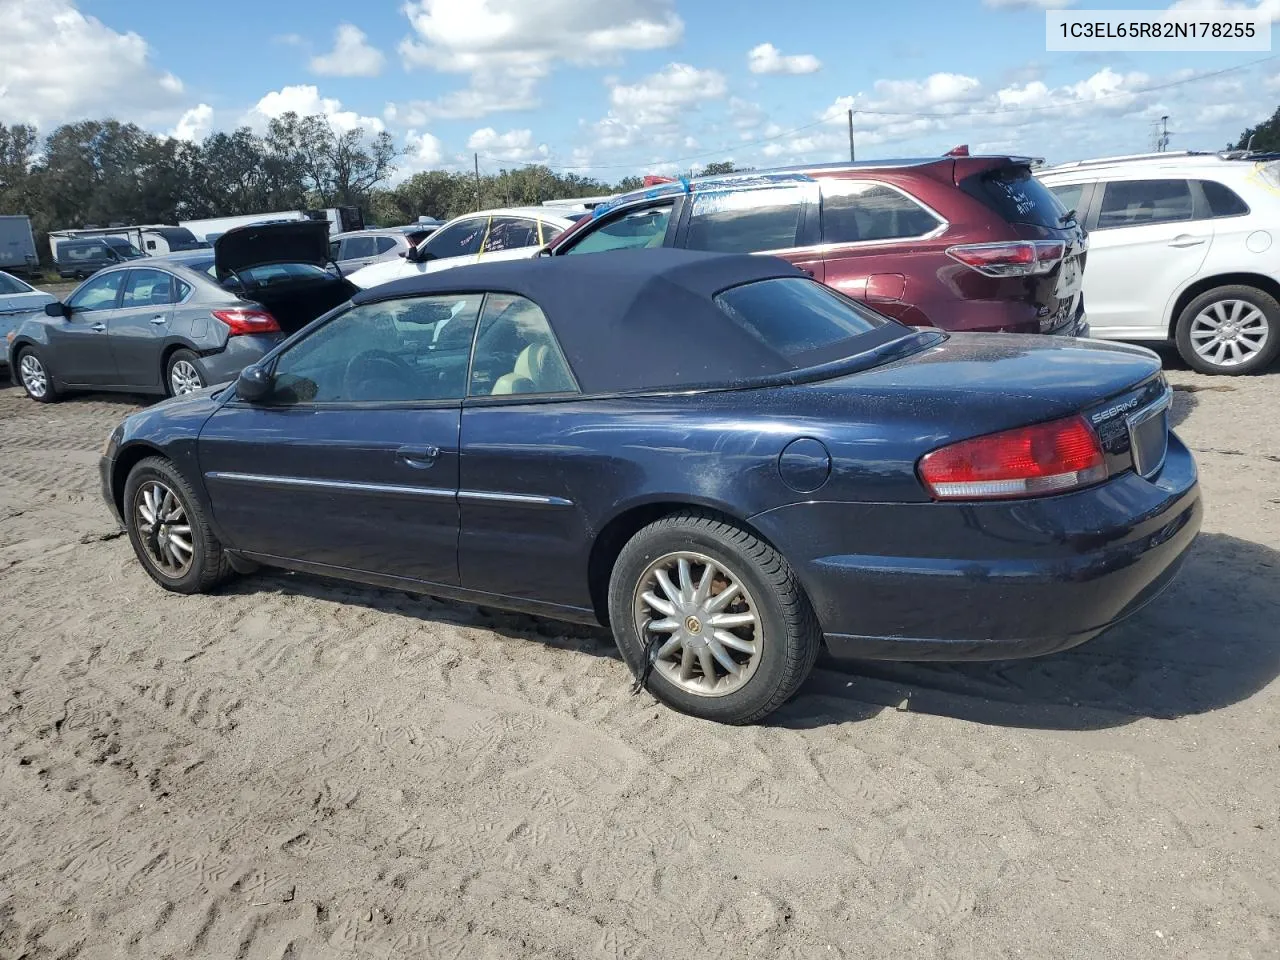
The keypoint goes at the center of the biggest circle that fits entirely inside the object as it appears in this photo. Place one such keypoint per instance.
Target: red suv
(958, 242)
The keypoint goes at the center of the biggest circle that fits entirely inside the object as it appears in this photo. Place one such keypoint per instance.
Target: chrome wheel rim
(184, 378)
(699, 623)
(163, 528)
(33, 376)
(1228, 333)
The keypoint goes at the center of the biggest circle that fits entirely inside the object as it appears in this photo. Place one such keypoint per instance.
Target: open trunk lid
(260, 244)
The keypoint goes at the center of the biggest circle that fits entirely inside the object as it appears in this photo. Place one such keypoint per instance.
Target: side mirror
(405, 254)
(56, 309)
(254, 384)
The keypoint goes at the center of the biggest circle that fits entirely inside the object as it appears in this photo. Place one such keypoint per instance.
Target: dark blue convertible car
(717, 457)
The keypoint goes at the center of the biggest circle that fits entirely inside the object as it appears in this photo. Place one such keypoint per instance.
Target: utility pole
(1162, 142)
(476, 157)
(851, 157)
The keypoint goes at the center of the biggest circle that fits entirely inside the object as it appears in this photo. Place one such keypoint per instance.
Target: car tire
(784, 636)
(1242, 311)
(176, 546)
(182, 374)
(35, 377)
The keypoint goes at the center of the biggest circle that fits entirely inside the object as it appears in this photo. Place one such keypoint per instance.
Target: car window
(335, 249)
(853, 212)
(461, 240)
(745, 221)
(124, 248)
(639, 228)
(146, 288)
(354, 247)
(408, 349)
(795, 316)
(511, 233)
(184, 290)
(97, 293)
(550, 231)
(1136, 203)
(385, 244)
(1069, 195)
(516, 352)
(270, 273)
(1014, 193)
(86, 251)
(10, 284)
(1223, 201)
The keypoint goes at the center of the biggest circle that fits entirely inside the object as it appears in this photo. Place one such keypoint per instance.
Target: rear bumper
(937, 581)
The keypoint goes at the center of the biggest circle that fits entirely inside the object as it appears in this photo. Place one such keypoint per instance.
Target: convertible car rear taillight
(243, 321)
(1020, 258)
(1025, 462)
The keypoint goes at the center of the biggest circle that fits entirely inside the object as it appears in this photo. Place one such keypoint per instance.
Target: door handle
(159, 319)
(99, 327)
(1186, 240)
(418, 457)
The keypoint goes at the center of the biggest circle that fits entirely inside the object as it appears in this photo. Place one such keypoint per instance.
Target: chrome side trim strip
(528, 498)
(309, 484)
(391, 488)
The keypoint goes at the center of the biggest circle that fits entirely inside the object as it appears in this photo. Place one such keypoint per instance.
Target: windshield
(804, 321)
(124, 248)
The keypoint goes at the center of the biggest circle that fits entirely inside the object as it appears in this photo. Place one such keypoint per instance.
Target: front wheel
(168, 529)
(711, 619)
(35, 377)
(1230, 330)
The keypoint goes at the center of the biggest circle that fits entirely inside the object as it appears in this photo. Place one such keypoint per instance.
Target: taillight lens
(243, 321)
(1018, 258)
(1024, 462)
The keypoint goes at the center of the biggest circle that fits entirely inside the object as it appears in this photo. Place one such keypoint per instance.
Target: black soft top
(629, 320)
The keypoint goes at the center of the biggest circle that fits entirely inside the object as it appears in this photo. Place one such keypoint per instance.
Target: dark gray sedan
(173, 325)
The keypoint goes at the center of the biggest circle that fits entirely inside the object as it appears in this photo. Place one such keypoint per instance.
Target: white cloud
(194, 124)
(514, 146)
(766, 58)
(508, 46)
(305, 100)
(57, 64)
(352, 55)
(660, 98)
(493, 94)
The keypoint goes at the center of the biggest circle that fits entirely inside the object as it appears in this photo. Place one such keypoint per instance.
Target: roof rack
(1130, 158)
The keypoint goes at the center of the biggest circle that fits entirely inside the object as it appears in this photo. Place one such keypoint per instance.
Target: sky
(611, 88)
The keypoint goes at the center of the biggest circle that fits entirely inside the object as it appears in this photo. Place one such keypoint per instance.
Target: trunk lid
(991, 382)
(260, 244)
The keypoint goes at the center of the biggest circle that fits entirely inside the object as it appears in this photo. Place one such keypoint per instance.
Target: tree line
(103, 172)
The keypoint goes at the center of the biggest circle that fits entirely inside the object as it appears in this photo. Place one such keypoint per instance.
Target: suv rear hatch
(1053, 264)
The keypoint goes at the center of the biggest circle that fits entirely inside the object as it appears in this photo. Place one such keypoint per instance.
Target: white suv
(1182, 246)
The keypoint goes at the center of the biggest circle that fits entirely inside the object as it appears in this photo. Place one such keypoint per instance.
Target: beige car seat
(528, 374)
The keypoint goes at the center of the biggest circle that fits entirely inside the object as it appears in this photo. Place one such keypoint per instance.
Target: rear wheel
(35, 376)
(182, 374)
(1230, 330)
(711, 619)
(168, 529)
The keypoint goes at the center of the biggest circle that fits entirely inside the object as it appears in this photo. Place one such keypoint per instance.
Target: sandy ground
(302, 769)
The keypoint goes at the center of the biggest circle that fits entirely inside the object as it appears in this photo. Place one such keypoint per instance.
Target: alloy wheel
(699, 624)
(163, 528)
(184, 378)
(1227, 333)
(33, 375)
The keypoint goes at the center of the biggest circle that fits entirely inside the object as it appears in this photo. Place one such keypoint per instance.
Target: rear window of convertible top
(801, 319)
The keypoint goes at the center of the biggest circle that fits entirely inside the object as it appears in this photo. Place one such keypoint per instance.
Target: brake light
(1024, 462)
(1019, 258)
(243, 321)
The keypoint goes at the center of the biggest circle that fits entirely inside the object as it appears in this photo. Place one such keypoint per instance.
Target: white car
(1182, 247)
(507, 234)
